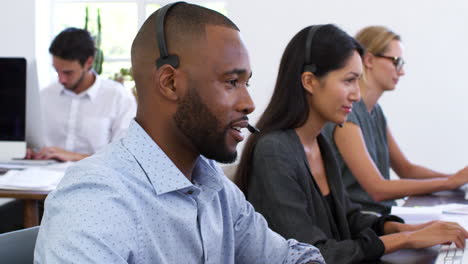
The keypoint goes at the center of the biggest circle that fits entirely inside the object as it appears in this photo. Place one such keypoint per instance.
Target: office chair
(18, 246)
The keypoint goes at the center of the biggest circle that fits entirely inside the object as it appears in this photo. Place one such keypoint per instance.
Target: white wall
(427, 113)
(17, 20)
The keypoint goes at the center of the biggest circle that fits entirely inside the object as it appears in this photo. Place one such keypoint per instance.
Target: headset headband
(309, 66)
(164, 57)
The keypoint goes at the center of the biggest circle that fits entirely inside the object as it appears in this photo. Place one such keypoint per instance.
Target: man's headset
(164, 57)
(172, 59)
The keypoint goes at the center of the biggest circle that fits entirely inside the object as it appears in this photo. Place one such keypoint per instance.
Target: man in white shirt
(82, 112)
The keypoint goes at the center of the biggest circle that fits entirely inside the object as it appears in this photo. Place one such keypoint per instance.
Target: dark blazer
(282, 188)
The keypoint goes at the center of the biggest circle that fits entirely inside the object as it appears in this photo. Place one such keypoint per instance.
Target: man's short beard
(202, 128)
(80, 80)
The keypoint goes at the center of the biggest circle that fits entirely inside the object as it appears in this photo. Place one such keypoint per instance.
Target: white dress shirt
(86, 122)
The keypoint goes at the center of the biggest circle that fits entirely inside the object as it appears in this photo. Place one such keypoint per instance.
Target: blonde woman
(365, 146)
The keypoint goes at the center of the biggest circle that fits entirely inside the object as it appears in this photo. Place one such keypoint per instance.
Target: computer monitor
(12, 108)
(20, 110)
(34, 125)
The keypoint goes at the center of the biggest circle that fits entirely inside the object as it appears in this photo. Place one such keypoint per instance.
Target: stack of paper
(452, 212)
(459, 209)
(419, 214)
(37, 179)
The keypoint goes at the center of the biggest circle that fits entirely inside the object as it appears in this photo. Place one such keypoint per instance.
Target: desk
(31, 203)
(427, 255)
(438, 198)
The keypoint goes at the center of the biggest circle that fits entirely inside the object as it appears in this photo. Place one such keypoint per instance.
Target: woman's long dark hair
(288, 108)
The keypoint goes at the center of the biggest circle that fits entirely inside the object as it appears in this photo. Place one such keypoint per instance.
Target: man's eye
(233, 82)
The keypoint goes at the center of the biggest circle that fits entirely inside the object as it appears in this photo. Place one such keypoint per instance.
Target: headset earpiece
(164, 56)
(310, 68)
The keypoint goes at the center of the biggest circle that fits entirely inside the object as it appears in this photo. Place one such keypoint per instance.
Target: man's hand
(55, 153)
(30, 154)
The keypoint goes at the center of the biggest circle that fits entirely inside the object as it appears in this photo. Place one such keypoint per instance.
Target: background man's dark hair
(73, 44)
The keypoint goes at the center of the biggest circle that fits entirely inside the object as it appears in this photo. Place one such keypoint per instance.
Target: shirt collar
(91, 92)
(159, 168)
(208, 174)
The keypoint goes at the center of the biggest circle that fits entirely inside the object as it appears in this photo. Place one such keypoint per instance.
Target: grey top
(374, 130)
(282, 188)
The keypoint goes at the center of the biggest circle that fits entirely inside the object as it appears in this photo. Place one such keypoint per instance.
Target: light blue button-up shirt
(130, 204)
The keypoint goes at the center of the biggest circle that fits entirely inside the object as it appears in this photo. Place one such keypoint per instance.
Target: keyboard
(24, 164)
(28, 162)
(465, 189)
(450, 254)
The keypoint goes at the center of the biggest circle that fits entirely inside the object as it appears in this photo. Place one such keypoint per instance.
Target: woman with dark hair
(289, 173)
(365, 147)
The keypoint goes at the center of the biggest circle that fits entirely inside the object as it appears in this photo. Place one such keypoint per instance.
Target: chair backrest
(18, 246)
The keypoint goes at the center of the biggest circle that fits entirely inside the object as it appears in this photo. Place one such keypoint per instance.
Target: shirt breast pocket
(96, 132)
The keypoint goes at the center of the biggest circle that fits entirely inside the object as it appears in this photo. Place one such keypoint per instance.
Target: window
(120, 21)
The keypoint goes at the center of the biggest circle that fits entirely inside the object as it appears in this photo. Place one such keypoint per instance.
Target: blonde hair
(375, 39)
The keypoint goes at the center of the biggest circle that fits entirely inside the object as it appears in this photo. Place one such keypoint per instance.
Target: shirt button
(190, 192)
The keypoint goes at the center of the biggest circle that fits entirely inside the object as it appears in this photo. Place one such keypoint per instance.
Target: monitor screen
(12, 99)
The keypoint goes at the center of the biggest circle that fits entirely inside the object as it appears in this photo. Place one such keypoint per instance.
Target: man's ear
(165, 80)
(368, 60)
(309, 82)
(89, 63)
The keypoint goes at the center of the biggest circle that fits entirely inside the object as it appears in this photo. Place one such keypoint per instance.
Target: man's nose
(62, 78)
(246, 105)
